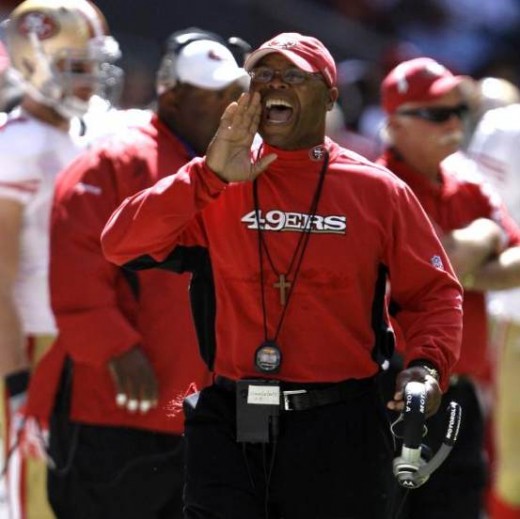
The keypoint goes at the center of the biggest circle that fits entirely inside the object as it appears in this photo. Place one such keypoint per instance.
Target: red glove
(27, 434)
(33, 439)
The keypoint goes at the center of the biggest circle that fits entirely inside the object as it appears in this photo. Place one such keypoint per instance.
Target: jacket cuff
(212, 180)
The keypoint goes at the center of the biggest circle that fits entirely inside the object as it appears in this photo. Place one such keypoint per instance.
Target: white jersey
(32, 153)
(495, 149)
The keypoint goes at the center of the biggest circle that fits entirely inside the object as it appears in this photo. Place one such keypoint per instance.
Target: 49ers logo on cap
(318, 152)
(38, 23)
(433, 70)
(282, 43)
(214, 55)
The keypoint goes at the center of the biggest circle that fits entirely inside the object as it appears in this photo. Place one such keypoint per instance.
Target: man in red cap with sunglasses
(301, 234)
(425, 104)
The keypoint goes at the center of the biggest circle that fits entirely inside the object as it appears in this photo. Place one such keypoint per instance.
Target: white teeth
(277, 102)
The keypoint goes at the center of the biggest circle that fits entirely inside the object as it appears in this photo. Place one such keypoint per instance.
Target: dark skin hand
(135, 381)
(418, 374)
(228, 154)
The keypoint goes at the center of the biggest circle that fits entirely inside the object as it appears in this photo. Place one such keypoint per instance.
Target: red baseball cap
(417, 80)
(306, 52)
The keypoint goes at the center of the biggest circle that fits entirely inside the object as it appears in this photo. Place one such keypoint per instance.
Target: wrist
(214, 170)
(430, 369)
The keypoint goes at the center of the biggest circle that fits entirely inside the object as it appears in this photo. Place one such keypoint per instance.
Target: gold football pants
(506, 337)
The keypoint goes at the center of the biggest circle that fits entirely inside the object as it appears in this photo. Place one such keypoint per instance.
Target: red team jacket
(97, 312)
(455, 203)
(365, 217)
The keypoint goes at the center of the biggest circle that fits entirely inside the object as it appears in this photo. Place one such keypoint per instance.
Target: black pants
(115, 473)
(330, 462)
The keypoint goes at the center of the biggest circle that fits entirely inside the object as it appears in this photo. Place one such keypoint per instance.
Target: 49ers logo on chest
(276, 220)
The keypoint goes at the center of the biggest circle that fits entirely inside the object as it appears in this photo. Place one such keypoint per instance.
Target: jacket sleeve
(167, 214)
(88, 293)
(424, 287)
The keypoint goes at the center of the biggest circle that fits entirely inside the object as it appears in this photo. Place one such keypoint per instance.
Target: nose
(277, 80)
(455, 120)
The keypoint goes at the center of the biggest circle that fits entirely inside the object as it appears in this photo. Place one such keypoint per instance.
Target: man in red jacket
(127, 351)
(425, 104)
(300, 232)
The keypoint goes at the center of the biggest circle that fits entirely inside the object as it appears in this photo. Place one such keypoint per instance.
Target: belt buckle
(286, 400)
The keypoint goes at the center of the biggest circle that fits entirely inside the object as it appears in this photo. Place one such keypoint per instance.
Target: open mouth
(278, 111)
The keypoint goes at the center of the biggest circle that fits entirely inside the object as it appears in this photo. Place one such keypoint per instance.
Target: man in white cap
(127, 349)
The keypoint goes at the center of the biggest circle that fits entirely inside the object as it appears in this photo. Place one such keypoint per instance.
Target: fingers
(132, 404)
(397, 404)
(145, 406)
(141, 395)
(243, 116)
(229, 113)
(135, 382)
(149, 394)
(252, 113)
(433, 393)
(121, 396)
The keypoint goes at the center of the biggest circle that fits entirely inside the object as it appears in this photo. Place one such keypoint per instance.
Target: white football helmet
(63, 53)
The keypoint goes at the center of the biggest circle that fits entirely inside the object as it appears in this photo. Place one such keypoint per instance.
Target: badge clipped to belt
(258, 408)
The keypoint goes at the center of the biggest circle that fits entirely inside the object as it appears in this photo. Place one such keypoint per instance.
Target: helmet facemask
(64, 54)
(72, 77)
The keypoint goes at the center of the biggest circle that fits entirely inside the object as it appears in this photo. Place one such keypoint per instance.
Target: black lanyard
(297, 256)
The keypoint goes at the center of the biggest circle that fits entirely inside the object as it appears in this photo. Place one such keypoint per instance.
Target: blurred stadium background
(367, 37)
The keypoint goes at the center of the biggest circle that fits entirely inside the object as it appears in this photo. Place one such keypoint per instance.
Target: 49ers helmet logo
(282, 43)
(39, 23)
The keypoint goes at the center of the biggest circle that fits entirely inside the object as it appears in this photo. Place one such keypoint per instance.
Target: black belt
(300, 397)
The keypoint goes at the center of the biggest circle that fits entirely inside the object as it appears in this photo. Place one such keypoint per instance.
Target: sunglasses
(437, 114)
(291, 76)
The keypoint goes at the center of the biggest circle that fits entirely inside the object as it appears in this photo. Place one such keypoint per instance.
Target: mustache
(455, 137)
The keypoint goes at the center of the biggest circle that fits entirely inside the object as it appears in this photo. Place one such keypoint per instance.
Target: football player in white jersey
(495, 149)
(62, 52)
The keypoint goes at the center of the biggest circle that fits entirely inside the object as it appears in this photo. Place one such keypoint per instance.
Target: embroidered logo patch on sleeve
(436, 261)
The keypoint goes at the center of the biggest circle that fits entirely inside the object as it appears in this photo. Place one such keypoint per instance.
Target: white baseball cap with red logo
(208, 64)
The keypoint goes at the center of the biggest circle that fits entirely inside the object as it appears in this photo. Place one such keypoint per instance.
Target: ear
(169, 101)
(169, 93)
(333, 97)
(387, 130)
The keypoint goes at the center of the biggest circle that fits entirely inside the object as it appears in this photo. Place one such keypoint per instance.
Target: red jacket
(98, 315)
(453, 204)
(365, 217)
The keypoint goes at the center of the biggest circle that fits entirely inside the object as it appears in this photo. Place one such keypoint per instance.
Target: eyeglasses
(291, 76)
(437, 114)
